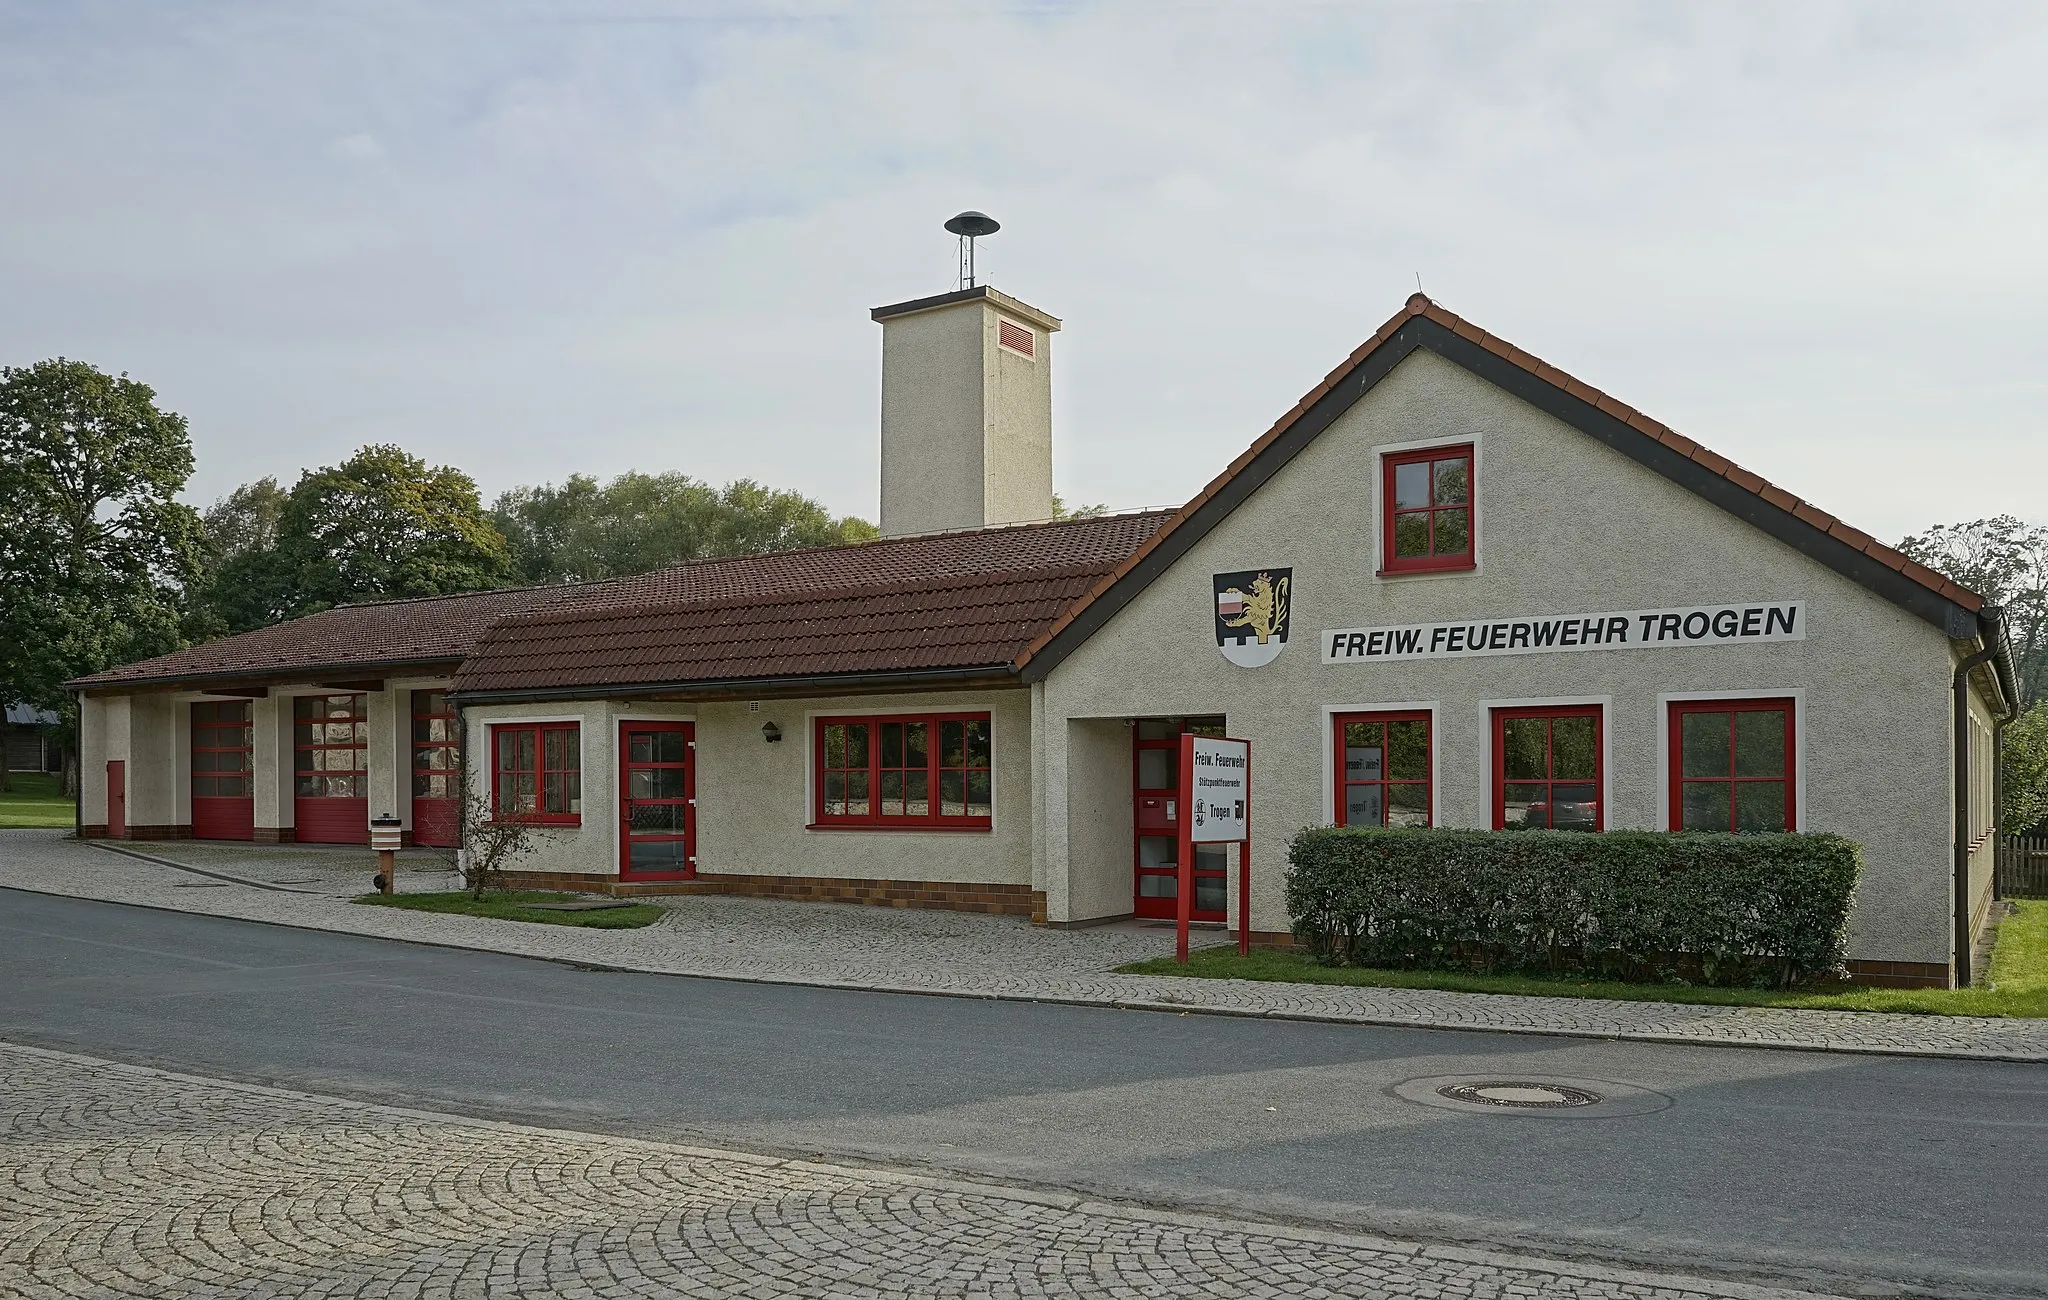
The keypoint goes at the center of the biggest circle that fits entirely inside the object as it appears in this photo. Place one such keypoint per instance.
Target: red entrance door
(436, 771)
(1155, 780)
(223, 804)
(117, 799)
(331, 736)
(657, 801)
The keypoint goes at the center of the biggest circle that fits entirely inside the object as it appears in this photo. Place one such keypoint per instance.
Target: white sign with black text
(1222, 772)
(1632, 629)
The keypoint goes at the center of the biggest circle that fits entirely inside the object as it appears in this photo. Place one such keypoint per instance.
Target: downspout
(1993, 640)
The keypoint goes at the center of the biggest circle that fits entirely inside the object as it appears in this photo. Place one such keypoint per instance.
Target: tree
(584, 529)
(238, 585)
(2026, 770)
(95, 548)
(491, 845)
(1061, 510)
(2005, 560)
(381, 525)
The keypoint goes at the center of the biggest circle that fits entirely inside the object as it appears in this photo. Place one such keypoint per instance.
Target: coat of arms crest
(1251, 615)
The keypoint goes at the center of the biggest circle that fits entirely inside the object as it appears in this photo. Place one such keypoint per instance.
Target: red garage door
(331, 734)
(223, 805)
(436, 772)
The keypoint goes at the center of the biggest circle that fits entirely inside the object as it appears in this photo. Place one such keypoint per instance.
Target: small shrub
(1755, 910)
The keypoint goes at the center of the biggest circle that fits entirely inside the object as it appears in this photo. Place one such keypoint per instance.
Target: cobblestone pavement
(122, 1181)
(932, 952)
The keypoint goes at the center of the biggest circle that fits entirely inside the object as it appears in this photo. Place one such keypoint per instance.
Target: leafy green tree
(95, 549)
(2004, 559)
(1061, 510)
(241, 585)
(585, 529)
(381, 525)
(2026, 770)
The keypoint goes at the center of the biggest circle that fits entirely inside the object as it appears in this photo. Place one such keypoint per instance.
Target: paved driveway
(926, 952)
(1826, 1170)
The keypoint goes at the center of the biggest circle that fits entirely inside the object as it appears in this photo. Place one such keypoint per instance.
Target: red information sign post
(1215, 808)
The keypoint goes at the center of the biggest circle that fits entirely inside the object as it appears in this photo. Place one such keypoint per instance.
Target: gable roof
(939, 602)
(422, 632)
(1961, 613)
(946, 605)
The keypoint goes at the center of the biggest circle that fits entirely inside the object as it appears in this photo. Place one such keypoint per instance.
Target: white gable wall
(1565, 525)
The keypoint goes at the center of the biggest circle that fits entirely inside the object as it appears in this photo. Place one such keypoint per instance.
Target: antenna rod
(970, 226)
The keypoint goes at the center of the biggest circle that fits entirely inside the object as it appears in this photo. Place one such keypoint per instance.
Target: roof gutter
(912, 677)
(260, 676)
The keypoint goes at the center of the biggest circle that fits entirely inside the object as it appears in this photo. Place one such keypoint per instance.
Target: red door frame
(1156, 814)
(219, 816)
(331, 819)
(117, 799)
(436, 820)
(689, 800)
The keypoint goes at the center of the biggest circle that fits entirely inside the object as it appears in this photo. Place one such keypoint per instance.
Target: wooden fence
(2022, 866)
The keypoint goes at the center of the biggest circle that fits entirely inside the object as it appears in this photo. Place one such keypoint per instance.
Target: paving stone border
(928, 952)
(125, 1180)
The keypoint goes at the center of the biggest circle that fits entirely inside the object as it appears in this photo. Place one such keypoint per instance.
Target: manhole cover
(1519, 1095)
(1537, 1099)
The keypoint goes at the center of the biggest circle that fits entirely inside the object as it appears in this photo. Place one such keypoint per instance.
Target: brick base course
(952, 896)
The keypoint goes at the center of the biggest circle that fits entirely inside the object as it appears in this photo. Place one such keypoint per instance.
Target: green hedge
(1757, 910)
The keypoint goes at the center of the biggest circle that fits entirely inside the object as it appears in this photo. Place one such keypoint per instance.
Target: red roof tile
(428, 630)
(943, 600)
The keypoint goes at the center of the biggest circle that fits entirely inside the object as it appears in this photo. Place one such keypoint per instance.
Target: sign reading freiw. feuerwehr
(1629, 629)
(1222, 774)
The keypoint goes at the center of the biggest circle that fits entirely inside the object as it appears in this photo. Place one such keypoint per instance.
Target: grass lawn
(34, 800)
(2018, 983)
(511, 905)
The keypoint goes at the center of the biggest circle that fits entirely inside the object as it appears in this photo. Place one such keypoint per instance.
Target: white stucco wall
(1566, 525)
(753, 798)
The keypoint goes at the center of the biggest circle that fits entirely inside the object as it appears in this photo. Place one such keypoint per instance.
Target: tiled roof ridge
(1420, 305)
(791, 596)
(900, 539)
(572, 584)
(446, 595)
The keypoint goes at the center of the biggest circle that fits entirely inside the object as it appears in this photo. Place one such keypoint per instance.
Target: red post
(1244, 865)
(1184, 866)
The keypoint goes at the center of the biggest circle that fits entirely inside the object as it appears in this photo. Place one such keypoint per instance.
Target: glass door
(657, 803)
(1155, 778)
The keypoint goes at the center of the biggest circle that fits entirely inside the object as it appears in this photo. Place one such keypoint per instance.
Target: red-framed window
(1731, 765)
(537, 772)
(1547, 768)
(331, 734)
(436, 747)
(911, 771)
(220, 749)
(1426, 503)
(1383, 766)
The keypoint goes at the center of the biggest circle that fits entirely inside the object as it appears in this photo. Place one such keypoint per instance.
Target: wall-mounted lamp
(770, 732)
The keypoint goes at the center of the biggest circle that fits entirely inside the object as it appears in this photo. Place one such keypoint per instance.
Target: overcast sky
(535, 239)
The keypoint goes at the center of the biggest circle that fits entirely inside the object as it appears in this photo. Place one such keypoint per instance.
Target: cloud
(534, 240)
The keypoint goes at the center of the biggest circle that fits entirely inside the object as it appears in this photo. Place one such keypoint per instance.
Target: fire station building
(1451, 586)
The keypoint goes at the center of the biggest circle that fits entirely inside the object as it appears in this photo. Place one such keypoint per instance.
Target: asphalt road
(1851, 1173)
